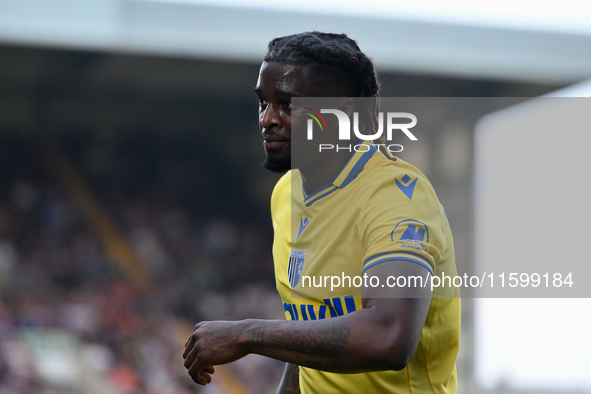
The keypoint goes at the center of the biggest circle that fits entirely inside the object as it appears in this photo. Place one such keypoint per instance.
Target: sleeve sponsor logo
(413, 234)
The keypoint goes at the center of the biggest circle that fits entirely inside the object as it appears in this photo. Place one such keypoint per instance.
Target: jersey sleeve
(403, 220)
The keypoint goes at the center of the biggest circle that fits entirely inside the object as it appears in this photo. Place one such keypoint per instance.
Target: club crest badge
(295, 267)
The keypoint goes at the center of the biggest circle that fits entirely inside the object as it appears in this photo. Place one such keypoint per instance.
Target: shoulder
(397, 179)
(282, 187)
(281, 196)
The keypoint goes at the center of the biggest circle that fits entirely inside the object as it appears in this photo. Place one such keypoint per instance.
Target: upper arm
(398, 225)
(398, 312)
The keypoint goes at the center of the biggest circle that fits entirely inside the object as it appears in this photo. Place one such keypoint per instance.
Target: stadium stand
(73, 316)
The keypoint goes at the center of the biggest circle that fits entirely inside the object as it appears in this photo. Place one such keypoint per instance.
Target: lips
(274, 142)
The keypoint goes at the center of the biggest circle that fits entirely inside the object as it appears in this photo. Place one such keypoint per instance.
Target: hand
(204, 376)
(212, 343)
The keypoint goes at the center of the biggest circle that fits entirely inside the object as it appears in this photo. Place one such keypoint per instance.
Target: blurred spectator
(208, 258)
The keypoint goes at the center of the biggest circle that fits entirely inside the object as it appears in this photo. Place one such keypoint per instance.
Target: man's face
(276, 85)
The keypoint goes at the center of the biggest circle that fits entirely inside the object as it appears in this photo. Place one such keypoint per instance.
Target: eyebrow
(259, 92)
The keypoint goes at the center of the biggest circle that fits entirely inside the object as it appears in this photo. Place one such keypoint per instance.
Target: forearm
(356, 342)
(381, 336)
(290, 382)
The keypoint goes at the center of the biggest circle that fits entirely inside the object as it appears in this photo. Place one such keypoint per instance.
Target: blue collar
(348, 173)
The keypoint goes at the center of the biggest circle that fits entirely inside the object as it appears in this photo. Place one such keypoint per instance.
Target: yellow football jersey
(375, 210)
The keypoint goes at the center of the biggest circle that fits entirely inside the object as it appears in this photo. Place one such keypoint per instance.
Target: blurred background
(132, 202)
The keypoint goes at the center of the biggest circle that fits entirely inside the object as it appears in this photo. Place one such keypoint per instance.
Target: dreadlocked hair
(337, 59)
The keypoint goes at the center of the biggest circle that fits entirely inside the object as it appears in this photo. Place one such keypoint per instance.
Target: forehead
(288, 79)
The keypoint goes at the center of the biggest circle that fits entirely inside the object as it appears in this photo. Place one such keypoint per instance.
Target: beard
(279, 166)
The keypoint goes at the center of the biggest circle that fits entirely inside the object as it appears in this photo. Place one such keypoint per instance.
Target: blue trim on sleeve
(390, 256)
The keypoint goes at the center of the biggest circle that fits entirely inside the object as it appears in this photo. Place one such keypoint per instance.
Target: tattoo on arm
(327, 342)
(258, 335)
(221, 339)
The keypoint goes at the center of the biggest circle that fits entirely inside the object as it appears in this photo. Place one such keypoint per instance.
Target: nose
(270, 117)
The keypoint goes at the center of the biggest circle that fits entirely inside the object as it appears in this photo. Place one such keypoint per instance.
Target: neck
(324, 172)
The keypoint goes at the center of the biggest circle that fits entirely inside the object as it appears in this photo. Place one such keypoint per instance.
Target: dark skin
(339, 344)
(276, 86)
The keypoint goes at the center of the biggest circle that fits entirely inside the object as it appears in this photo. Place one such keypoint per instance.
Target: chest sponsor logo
(327, 308)
(295, 266)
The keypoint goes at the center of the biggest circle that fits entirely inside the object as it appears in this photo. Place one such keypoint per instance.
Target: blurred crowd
(71, 321)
